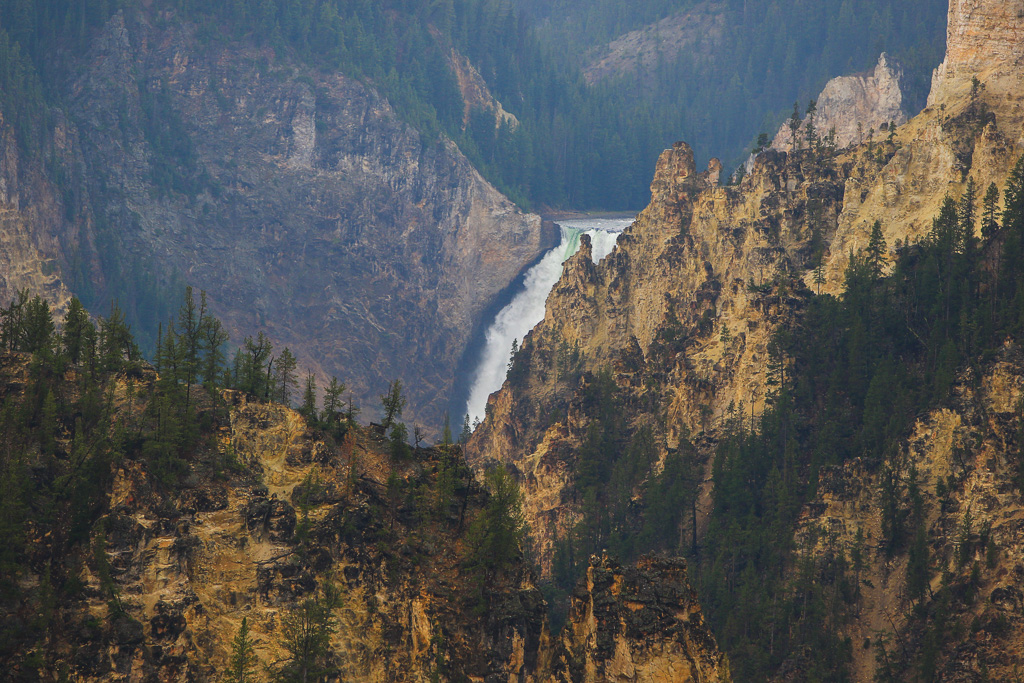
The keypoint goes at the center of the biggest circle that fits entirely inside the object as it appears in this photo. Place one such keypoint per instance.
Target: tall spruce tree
(306, 637)
(990, 213)
(284, 376)
(877, 251)
(76, 330)
(393, 403)
(333, 403)
(243, 662)
(308, 409)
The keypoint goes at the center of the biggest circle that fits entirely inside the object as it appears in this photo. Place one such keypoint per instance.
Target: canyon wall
(682, 313)
(298, 199)
(266, 514)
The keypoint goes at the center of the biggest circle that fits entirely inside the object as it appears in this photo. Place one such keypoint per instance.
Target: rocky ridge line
(853, 106)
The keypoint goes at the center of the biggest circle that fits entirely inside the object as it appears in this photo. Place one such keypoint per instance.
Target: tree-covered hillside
(847, 382)
(770, 53)
(577, 146)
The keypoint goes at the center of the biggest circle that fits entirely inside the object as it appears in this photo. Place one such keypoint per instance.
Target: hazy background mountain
(585, 141)
(231, 113)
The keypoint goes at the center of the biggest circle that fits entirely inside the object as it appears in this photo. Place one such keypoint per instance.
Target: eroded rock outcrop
(985, 40)
(681, 313)
(638, 623)
(854, 106)
(266, 513)
(959, 135)
(683, 310)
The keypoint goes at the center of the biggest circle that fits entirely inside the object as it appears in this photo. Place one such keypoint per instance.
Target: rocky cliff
(697, 261)
(854, 107)
(296, 198)
(681, 315)
(638, 623)
(267, 514)
(681, 312)
(960, 134)
(985, 40)
(35, 239)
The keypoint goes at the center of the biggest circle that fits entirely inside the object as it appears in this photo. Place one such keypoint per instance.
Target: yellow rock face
(724, 267)
(610, 638)
(970, 442)
(985, 40)
(30, 251)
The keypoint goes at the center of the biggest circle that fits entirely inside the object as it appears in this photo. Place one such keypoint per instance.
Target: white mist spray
(527, 307)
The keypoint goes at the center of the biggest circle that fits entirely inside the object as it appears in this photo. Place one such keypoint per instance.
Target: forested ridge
(80, 408)
(846, 383)
(577, 146)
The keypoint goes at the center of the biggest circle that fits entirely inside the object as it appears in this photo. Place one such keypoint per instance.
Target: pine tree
(242, 665)
(48, 425)
(74, 331)
(810, 131)
(253, 379)
(393, 403)
(499, 532)
(794, 126)
(306, 637)
(512, 357)
(399, 438)
(966, 212)
(976, 89)
(1013, 199)
(446, 432)
(213, 339)
(116, 343)
(169, 357)
(38, 330)
(332, 401)
(190, 332)
(762, 143)
(12, 322)
(989, 216)
(308, 408)
(284, 376)
(352, 411)
(877, 251)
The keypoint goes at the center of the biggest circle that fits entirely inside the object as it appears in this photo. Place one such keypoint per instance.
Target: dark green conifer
(989, 216)
(308, 408)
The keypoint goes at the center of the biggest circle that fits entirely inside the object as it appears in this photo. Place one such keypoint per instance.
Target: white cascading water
(527, 307)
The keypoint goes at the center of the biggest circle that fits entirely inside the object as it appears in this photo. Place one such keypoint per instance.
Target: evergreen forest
(577, 146)
(846, 384)
(79, 407)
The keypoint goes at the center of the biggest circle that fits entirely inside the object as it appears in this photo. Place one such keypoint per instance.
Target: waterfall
(527, 307)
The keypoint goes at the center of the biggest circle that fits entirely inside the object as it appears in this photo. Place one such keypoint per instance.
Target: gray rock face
(300, 202)
(853, 105)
